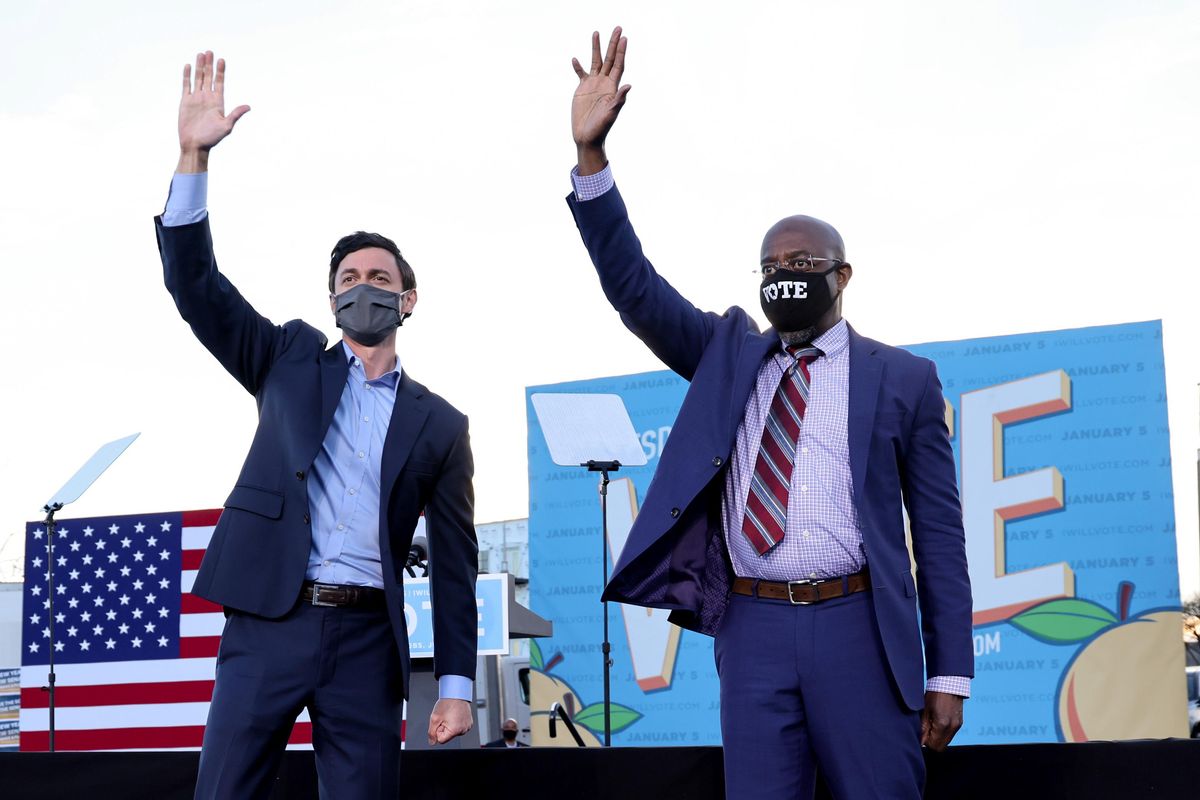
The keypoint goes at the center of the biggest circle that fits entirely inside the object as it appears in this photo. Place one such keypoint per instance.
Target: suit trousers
(806, 688)
(342, 664)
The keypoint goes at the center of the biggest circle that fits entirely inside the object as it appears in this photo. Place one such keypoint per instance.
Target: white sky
(995, 167)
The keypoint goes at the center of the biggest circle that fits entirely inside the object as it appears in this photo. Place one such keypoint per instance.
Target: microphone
(419, 551)
(418, 556)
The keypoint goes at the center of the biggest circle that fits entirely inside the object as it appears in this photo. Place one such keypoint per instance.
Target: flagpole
(50, 510)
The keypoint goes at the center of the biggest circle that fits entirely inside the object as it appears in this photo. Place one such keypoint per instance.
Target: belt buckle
(792, 599)
(316, 597)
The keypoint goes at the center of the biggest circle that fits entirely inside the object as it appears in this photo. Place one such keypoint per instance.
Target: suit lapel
(408, 418)
(866, 374)
(754, 349)
(335, 367)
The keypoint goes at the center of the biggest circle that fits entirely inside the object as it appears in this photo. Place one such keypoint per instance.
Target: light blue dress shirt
(343, 492)
(343, 488)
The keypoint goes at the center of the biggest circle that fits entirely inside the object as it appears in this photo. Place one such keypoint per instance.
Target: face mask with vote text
(794, 301)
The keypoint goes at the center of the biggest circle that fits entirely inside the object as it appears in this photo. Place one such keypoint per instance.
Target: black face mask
(794, 301)
(368, 314)
(509, 736)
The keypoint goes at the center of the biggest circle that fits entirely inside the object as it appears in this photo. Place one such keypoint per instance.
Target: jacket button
(306, 519)
(717, 461)
(674, 512)
(299, 476)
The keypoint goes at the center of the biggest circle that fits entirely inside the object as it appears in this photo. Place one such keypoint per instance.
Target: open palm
(599, 95)
(202, 118)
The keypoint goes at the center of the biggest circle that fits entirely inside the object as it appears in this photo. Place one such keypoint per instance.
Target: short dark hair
(360, 240)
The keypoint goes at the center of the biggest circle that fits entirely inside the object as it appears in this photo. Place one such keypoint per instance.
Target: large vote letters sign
(1063, 460)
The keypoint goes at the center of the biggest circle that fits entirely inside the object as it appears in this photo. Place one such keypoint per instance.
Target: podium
(500, 619)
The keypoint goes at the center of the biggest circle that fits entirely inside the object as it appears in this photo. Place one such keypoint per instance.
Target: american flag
(135, 651)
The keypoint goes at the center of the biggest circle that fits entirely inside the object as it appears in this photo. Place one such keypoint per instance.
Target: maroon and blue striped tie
(767, 500)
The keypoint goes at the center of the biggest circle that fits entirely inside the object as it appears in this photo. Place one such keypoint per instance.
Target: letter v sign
(653, 641)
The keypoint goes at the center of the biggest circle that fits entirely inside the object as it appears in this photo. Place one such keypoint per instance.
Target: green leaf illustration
(592, 717)
(1064, 621)
(535, 657)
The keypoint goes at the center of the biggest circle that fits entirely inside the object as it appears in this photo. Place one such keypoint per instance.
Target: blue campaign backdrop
(1071, 537)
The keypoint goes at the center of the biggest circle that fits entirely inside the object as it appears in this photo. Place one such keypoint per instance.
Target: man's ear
(333, 303)
(408, 303)
(844, 273)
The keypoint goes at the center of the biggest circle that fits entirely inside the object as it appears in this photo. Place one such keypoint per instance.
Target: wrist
(591, 158)
(192, 159)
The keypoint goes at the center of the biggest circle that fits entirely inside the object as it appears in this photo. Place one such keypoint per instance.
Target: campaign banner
(663, 680)
(1063, 453)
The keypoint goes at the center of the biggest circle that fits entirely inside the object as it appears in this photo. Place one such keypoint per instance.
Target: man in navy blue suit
(308, 556)
(775, 521)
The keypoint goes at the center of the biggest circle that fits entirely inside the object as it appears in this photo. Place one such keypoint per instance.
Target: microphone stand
(605, 467)
(49, 688)
(557, 712)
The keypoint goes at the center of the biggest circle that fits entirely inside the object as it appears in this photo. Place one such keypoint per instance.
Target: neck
(831, 318)
(376, 360)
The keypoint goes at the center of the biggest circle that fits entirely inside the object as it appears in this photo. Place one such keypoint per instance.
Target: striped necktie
(767, 500)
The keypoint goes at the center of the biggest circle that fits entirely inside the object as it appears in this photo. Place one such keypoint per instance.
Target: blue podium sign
(491, 599)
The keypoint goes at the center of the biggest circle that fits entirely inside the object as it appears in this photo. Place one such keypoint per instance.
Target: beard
(804, 336)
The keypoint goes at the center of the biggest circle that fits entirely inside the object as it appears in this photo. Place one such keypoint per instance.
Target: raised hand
(598, 99)
(202, 118)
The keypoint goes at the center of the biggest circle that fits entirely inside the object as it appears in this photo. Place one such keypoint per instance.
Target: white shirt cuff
(188, 200)
(455, 687)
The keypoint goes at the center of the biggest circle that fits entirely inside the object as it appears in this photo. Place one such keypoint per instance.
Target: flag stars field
(130, 584)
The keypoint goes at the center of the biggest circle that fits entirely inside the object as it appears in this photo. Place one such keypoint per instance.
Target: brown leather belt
(338, 596)
(806, 592)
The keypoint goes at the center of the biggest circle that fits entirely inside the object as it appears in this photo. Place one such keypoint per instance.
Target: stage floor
(1138, 770)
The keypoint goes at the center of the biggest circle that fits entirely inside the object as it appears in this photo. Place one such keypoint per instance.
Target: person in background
(508, 736)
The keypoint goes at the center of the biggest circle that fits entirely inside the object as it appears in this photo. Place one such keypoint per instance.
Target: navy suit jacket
(259, 552)
(900, 457)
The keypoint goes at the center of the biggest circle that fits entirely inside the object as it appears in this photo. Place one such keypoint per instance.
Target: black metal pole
(604, 467)
(606, 648)
(50, 509)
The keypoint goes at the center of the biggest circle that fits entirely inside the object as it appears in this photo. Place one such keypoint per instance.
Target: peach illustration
(1127, 681)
